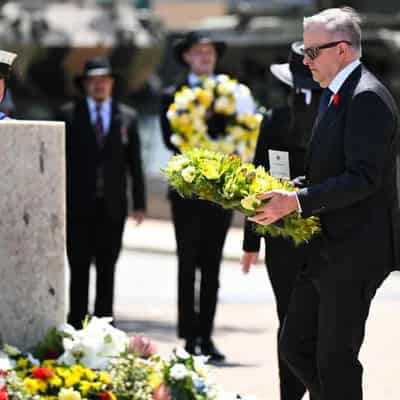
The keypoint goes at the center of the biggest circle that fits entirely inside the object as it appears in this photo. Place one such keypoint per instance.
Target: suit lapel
(333, 112)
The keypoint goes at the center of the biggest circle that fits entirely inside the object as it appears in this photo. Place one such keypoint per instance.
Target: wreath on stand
(221, 97)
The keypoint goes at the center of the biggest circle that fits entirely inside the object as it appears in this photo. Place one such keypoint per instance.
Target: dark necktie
(98, 127)
(324, 101)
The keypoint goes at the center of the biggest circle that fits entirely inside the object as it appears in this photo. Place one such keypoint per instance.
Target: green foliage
(226, 180)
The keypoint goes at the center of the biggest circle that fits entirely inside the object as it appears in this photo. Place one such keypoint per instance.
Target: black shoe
(191, 347)
(208, 349)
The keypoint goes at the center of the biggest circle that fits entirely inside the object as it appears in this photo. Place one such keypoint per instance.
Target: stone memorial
(32, 230)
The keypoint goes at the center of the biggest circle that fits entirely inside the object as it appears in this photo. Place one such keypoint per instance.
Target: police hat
(294, 73)
(182, 45)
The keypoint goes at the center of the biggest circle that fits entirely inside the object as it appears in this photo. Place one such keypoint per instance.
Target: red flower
(3, 393)
(106, 396)
(336, 99)
(42, 373)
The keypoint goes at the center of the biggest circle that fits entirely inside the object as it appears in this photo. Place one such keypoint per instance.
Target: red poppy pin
(335, 99)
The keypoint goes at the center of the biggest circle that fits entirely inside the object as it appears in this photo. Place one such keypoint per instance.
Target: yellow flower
(205, 97)
(210, 169)
(71, 380)
(78, 371)
(69, 394)
(97, 386)
(49, 363)
(155, 380)
(90, 375)
(55, 381)
(104, 377)
(250, 202)
(84, 387)
(32, 385)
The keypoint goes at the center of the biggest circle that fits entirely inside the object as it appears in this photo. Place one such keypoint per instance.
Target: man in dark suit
(350, 184)
(284, 134)
(102, 145)
(200, 226)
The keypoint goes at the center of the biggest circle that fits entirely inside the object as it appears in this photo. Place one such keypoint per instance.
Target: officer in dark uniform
(6, 60)
(281, 149)
(200, 226)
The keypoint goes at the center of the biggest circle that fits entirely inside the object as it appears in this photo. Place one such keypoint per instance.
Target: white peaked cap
(6, 57)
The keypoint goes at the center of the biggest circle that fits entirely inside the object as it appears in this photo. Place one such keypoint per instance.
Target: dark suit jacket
(121, 155)
(351, 179)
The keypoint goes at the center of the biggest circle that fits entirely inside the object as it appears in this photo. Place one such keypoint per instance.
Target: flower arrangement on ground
(192, 107)
(233, 184)
(100, 362)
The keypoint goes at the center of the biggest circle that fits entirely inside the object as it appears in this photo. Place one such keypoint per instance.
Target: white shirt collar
(194, 79)
(340, 78)
(105, 106)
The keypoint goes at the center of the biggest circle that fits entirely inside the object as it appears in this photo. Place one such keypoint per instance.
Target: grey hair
(342, 23)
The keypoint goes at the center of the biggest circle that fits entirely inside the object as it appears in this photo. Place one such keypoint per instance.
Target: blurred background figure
(7, 106)
(281, 149)
(6, 61)
(103, 152)
(200, 226)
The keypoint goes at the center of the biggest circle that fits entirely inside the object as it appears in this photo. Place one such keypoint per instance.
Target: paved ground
(246, 322)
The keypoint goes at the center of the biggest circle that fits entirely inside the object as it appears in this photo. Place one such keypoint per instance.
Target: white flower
(69, 394)
(178, 372)
(182, 353)
(189, 173)
(94, 345)
(176, 140)
(6, 363)
(199, 365)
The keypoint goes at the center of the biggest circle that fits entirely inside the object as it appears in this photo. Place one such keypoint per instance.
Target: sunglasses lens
(312, 52)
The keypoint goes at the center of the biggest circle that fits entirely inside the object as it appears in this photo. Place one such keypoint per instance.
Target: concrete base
(32, 230)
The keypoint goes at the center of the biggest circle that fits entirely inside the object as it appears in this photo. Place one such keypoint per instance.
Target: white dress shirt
(340, 78)
(105, 112)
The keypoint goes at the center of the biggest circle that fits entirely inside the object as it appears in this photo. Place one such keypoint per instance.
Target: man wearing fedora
(281, 148)
(102, 152)
(200, 226)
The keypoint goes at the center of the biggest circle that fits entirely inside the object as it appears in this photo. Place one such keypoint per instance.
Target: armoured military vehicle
(54, 38)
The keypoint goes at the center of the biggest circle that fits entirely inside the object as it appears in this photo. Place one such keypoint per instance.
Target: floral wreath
(192, 107)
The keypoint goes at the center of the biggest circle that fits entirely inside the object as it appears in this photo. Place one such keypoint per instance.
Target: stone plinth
(32, 230)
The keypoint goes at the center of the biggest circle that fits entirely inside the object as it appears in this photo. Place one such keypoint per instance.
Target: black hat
(294, 73)
(6, 61)
(95, 67)
(182, 45)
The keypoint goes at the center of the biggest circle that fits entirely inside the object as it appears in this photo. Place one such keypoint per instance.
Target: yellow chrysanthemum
(104, 377)
(55, 381)
(71, 380)
(85, 387)
(90, 375)
(32, 385)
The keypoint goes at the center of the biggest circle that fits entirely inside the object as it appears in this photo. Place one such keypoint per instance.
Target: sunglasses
(312, 52)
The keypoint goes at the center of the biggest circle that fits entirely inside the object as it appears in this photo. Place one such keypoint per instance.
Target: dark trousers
(200, 231)
(92, 239)
(324, 330)
(284, 261)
